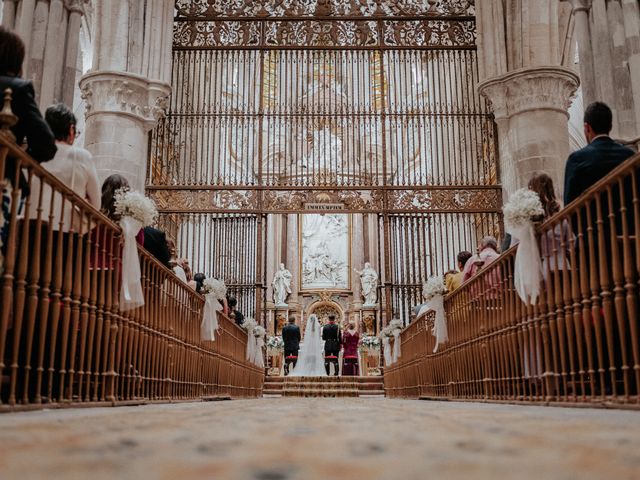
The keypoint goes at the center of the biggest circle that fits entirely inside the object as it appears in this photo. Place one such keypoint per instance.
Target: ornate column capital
(541, 88)
(126, 94)
(579, 5)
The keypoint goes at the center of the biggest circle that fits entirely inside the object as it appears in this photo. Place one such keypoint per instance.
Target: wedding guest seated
(350, 341)
(156, 243)
(592, 163)
(454, 280)
(234, 312)
(184, 264)
(488, 252)
(103, 239)
(40, 140)
(199, 278)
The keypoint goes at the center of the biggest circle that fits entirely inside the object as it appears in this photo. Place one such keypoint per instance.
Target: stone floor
(317, 438)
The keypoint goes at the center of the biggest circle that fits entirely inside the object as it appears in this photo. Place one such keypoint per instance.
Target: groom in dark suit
(332, 341)
(291, 338)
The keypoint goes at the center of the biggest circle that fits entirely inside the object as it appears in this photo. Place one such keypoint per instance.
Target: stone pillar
(521, 58)
(583, 34)
(9, 13)
(55, 40)
(531, 111)
(124, 99)
(70, 67)
(293, 259)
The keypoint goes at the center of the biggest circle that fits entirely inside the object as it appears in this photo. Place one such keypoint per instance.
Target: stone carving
(204, 200)
(447, 199)
(369, 324)
(335, 8)
(281, 286)
(125, 93)
(369, 282)
(325, 251)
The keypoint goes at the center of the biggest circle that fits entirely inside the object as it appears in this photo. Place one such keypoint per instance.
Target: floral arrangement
(249, 325)
(259, 331)
(370, 344)
(215, 287)
(433, 286)
(275, 344)
(134, 204)
(522, 207)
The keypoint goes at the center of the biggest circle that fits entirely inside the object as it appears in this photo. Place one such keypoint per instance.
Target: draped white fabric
(310, 360)
(258, 357)
(209, 325)
(527, 271)
(131, 295)
(386, 348)
(252, 346)
(396, 346)
(440, 324)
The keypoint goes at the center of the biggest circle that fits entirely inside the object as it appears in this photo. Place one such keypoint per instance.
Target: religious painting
(325, 252)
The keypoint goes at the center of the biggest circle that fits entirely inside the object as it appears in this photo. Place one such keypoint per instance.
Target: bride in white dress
(310, 359)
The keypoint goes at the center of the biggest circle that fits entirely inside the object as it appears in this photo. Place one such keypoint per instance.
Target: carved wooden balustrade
(63, 336)
(579, 344)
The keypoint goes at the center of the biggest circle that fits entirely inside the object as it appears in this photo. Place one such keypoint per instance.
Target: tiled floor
(318, 438)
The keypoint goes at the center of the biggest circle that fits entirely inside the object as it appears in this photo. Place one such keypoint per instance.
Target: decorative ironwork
(350, 106)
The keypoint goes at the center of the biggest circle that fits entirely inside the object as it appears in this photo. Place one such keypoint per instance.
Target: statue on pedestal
(281, 286)
(369, 282)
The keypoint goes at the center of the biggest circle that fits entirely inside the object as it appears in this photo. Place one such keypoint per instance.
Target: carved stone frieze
(125, 93)
(321, 33)
(216, 34)
(324, 8)
(351, 200)
(441, 33)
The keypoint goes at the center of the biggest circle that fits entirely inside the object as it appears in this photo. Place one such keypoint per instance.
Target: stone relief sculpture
(369, 282)
(281, 286)
(325, 251)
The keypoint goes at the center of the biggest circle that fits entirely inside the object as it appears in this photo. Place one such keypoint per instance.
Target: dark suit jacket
(590, 164)
(31, 125)
(155, 242)
(291, 337)
(332, 337)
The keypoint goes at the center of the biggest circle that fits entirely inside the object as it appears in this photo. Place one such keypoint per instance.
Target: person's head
(12, 53)
(463, 258)
(184, 263)
(542, 184)
(351, 325)
(489, 242)
(172, 248)
(110, 186)
(62, 122)
(598, 120)
(199, 278)
(332, 319)
(282, 266)
(232, 302)
(292, 319)
(367, 264)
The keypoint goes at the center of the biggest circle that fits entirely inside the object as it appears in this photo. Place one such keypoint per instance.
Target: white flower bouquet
(249, 325)
(259, 331)
(215, 287)
(133, 204)
(433, 286)
(275, 344)
(370, 344)
(523, 206)
(519, 213)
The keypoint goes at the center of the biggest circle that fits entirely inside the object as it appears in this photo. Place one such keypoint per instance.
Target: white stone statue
(281, 286)
(369, 282)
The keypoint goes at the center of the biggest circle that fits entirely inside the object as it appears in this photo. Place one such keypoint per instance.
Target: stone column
(70, 68)
(53, 45)
(531, 111)
(125, 101)
(9, 13)
(585, 52)
(293, 259)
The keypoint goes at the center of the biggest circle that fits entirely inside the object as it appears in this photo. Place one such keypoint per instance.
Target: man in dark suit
(332, 341)
(31, 126)
(593, 162)
(291, 338)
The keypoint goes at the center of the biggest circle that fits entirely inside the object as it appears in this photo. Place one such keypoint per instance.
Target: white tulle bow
(386, 348)
(131, 295)
(396, 345)
(527, 271)
(209, 325)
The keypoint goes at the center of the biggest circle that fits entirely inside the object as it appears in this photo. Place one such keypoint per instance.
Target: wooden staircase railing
(580, 344)
(64, 339)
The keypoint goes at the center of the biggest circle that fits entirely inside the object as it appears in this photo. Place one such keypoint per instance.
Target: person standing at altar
(291, 339)
(332, 341)
(350, 341)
